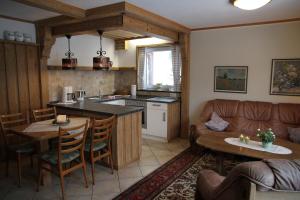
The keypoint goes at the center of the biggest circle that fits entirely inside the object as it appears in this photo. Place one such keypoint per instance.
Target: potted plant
(267, 137)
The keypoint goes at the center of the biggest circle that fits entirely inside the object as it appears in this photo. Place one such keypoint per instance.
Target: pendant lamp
(101, 61)
(69, 62)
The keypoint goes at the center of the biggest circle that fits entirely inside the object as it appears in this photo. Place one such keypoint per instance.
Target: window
(159, 68)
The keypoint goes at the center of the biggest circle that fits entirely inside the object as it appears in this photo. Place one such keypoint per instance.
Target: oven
(138, 103)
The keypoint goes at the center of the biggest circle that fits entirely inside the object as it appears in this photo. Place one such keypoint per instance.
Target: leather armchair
(268, 179)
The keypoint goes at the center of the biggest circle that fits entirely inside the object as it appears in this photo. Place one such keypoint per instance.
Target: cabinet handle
(164, 117)
(157, 105)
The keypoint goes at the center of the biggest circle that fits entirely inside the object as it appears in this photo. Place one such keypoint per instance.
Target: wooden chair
(14, 147)
(68, 157)
(44, 114)
(98, 144)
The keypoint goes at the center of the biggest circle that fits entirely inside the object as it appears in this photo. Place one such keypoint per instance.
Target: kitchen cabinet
(163, 120)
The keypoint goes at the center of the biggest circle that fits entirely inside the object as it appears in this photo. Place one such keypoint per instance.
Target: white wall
(12, 25)
(253, 46)
(84, 48)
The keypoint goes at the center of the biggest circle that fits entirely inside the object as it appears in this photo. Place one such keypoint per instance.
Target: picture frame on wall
(232, 79)
(285, 77)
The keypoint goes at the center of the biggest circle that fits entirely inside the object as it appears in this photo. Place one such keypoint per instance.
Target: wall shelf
(90, 68)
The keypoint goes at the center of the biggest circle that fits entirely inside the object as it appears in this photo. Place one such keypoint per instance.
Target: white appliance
(68, 95)
(133, 90)
(80, 94)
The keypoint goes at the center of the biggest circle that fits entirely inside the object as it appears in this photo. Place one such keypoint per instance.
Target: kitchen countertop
(95, 105)
(139, 98)
(98, 107)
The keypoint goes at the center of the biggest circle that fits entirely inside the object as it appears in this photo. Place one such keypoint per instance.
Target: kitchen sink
(164, 99)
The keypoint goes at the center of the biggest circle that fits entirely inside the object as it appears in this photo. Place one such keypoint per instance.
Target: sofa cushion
(294, 134)
(257, 172)
(257, 111)
(216, 123)
(289, 113)
(286, 174)
(226, 108)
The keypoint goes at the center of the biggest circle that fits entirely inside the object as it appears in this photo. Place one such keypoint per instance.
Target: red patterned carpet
(154, 183)
(176, 179)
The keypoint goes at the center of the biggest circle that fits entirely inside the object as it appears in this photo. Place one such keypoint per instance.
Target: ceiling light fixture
(69, 62)
(250, 4)
(101, 61)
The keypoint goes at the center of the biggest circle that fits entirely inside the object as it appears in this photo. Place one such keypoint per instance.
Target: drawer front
(157, 106)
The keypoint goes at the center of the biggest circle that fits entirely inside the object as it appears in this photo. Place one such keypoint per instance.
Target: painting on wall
(285, 77)
(231, 79)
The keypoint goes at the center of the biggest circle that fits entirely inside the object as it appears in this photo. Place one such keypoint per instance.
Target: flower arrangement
(267, 137)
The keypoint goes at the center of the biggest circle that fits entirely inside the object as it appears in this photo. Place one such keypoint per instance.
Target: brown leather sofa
(247, 116)
(269, 179)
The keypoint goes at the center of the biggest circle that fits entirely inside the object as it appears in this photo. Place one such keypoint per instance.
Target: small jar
(9, 35)
(19, 36)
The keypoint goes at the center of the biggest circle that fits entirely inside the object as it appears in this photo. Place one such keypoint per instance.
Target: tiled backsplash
(90, 81)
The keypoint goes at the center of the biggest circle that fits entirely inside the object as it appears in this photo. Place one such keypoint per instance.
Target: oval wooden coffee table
(215, 142)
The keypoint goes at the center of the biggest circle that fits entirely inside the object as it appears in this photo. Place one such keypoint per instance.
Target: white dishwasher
(157, 119)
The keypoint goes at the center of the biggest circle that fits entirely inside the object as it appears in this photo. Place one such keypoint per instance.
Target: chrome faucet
(100, 96)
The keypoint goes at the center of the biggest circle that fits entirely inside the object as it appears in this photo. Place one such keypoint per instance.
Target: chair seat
(97, 147)
(22, 148)
(52, 157)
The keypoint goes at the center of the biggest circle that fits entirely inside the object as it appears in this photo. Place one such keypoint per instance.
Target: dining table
(42, 131)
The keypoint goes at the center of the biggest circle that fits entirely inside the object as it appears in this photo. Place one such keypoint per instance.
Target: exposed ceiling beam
(16, 19)
(55, 6)
(140, 13)
(107, 23)
(148, 29)
(93, 13)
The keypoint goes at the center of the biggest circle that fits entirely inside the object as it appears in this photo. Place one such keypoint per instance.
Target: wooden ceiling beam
(107, 23)
(148, 29)
(142, 14)
(55, 6)
(93, 13)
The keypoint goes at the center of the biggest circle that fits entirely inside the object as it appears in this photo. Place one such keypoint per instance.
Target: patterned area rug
(177, 178)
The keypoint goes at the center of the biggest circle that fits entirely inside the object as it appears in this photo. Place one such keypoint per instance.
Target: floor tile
(106, 187)
(131, 172)
(148, 160)
(148, 169)
(127, 182)
(107, 196)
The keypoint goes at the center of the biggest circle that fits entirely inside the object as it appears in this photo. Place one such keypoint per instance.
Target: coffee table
(215, 142)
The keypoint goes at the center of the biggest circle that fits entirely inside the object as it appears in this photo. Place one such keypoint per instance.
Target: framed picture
(231, 79)
(285, 77)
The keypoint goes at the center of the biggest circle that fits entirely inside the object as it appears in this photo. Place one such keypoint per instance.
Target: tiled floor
(107, 185)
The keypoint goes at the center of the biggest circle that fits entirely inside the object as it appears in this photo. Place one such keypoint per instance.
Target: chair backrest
(9, 121)
(71, 140)
(44, 114)
(102, 131)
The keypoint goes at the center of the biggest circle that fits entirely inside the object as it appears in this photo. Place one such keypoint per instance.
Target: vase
(267, 145)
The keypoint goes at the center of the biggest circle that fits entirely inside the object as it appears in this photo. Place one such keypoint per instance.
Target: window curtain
(141, 68)
(177, 65)
(145, 66)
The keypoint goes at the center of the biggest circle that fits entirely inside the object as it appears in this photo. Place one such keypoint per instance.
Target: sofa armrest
(207, 182)
(195, 131)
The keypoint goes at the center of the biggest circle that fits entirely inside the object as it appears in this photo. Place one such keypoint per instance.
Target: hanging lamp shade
(101, 61)
(69, 62)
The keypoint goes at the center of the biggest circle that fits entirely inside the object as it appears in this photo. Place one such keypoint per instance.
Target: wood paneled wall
(20, 89)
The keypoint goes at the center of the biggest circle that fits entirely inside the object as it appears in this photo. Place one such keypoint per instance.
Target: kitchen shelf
(16, 42)
(89, 68)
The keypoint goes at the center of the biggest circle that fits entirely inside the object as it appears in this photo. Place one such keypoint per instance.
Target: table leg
(220, 163)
